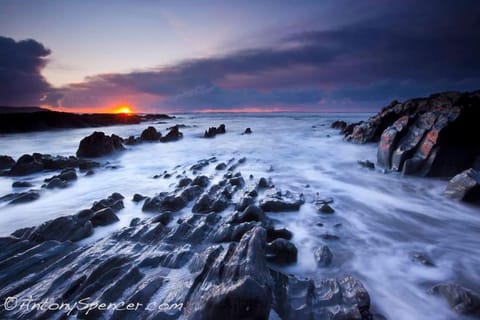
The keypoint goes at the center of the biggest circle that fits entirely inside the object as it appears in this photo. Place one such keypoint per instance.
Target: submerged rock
(366, 164)
(323, 256)
(460, 299)
(22, 197)
(21, 184)
(465, 186)
(99, 144)
(247, 131)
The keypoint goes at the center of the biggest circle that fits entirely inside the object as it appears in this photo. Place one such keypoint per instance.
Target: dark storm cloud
(21, 82)
(412, 50)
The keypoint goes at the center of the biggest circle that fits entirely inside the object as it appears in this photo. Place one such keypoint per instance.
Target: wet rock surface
(214, 262)
(99, 144)
(6, 162)
(434, 136)
(465, 186)
(461, 300)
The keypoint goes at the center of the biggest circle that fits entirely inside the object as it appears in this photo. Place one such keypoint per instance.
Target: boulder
(150, 134)
(99, 144)
(6, 162)
(247, 131)
(465, 186)
(462, 300)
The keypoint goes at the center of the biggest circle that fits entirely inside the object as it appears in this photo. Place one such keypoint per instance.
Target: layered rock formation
(214, 263)
(435, 136)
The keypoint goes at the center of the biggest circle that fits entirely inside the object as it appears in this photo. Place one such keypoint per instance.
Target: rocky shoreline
(212, 244)
(43, 120)
(435, 136)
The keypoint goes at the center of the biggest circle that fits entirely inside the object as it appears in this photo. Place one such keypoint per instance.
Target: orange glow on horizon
(123, 110)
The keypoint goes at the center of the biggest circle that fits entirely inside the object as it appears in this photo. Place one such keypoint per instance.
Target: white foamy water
(383, 217)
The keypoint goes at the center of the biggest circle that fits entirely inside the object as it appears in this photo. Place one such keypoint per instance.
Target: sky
(210, 55)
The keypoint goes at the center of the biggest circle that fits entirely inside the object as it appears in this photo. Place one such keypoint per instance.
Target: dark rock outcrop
(434, 136)
(339, 124)
(212, 131)
(173, 135)
(465, 186)
(6, 162)
(99, 144)
(247, 131)
(150, 134)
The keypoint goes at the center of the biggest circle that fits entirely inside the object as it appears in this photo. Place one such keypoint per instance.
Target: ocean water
(380, 218)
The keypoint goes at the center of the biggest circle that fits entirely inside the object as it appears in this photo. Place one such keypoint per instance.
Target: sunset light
(124, 110)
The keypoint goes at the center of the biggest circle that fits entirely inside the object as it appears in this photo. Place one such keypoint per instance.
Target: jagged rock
(98, 144)
(6, 162)
(132, 140)
(150, 134)
(173, 135)
(273, 233)
(244, 202)
(212, 131)
(465, 186)
(247, 131)
(22, 197)
(431, 136)
(21, 184)
(323, 256)
(460, 299)
(344, 298)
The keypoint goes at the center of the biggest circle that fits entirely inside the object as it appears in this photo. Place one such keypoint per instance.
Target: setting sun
(124, 110)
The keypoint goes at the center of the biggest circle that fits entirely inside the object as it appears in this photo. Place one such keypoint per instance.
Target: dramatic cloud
(20, 64)
(403, 51)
